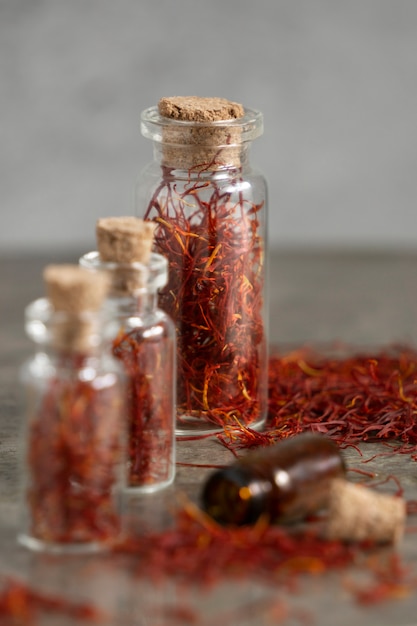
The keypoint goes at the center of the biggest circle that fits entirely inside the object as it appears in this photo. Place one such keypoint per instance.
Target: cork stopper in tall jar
(75, 295)
(205, 137)
(126, 242)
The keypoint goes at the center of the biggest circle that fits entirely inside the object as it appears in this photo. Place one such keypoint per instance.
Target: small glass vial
(286, 482)
(73, 448)
(209, 207)
(143, 339)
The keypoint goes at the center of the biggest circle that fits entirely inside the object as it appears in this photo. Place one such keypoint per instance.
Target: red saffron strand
(391, 581)
(21, 604)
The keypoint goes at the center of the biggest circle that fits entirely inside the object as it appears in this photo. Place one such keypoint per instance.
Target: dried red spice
(351, 399)
(196, 548)
(21, 604)
(392, 580)
(211, 237)
(148, 365)
(73, 453)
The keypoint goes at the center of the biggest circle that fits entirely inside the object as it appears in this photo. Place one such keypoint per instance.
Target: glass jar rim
(40, 317)
(154, 273)
(153, 124)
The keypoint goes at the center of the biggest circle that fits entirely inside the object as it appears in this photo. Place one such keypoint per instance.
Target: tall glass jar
(210, 209)
(143, 339)
(73, 445)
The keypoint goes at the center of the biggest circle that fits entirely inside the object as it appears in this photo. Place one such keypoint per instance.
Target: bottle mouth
(152, 275)
(170, 131)
(234, 496)
(64, 330)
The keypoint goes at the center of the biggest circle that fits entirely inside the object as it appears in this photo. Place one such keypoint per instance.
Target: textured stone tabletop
(362, 299)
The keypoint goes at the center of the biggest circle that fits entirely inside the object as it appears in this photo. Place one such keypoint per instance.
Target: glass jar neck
(140, 304)
(134, 284)
(201, 146)
(201, 162)
(71, 338)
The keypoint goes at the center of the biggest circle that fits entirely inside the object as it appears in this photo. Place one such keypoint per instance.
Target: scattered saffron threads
(390, 478)
(352, 399)
(211, 237)
(362, 472)
(197, 549)
(72, 459)
(21, 604)
(150, 404)
(391, 581)
(412, 507)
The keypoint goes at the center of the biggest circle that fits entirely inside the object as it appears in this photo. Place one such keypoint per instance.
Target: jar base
(192, 425)
(38, 545)
(151, 488)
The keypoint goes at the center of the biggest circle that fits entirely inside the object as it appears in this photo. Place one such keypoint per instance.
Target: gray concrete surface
(366, 300)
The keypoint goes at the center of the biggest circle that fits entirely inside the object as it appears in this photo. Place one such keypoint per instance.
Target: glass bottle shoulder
(154, 176)
(148, 324)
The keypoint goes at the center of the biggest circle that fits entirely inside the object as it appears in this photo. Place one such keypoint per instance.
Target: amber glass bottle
(287, 482)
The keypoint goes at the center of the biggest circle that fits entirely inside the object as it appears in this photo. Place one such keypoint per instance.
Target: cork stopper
(196, 109)
(357, 513)
(205, 142)
(73, 289)
(125, 241)
(74, 294)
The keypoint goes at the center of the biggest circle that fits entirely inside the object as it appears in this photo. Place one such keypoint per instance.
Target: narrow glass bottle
(143, 339)
(209, 207)
(286, 482)
(72, 453)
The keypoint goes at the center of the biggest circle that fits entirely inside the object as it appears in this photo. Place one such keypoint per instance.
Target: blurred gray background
(336, 80)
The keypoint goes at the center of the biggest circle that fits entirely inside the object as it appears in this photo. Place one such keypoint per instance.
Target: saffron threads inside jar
(218, 307)
(73, 450)
(150, 382)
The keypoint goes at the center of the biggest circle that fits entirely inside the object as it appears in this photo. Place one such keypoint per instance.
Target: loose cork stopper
(74, 294)
(357, 513)
(203, 143)
(125, 241)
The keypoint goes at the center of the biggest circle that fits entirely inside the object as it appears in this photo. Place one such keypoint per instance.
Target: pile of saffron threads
(354, 399)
